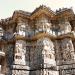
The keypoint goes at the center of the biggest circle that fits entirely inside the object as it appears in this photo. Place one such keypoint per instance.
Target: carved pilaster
(45, 52)
(67, 49)
(20, 51)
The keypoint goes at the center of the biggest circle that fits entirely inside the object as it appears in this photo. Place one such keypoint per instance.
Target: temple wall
(38, 43)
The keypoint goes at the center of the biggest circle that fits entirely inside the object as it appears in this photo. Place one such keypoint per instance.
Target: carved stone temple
(38, 43)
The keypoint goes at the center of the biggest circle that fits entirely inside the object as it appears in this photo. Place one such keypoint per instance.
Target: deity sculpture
(20, 52)
(68, 49)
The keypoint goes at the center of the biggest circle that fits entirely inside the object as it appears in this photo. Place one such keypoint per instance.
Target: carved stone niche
(43, 24)
(20, 50)
(65, 27)
(68, 49)
(23, 28)
(47, 51)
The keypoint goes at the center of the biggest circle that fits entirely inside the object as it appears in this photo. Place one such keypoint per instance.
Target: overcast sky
(7, 7)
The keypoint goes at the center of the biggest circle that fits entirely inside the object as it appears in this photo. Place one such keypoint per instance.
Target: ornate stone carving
(40, 45)
(46, 47)
(68, 49)
(20, 50)
(65, 27)
(43, 24)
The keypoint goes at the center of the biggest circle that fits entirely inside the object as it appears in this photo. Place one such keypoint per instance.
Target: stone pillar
(21, 65)
(64, 51)
(67, 49)
(58, 52)
(44, 57)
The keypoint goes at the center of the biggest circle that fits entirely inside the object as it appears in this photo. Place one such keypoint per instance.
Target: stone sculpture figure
(20, 52)
(65, 27)
(68, 49)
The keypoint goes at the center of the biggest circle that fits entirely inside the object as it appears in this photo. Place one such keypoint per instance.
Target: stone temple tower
(38, 43)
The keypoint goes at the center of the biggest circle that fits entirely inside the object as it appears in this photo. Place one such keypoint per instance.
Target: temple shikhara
(38, 43)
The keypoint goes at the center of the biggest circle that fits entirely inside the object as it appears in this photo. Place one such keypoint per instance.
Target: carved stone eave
(35, 37)
(38, 13)
(65, 11)
(22, 16)
(5, 23)
(17, 14)
(51, 36)
(32, 16)
(39, 35)
(13, 19)
(41, 10)
(20, 37)
(66, 14)
(68, 35)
